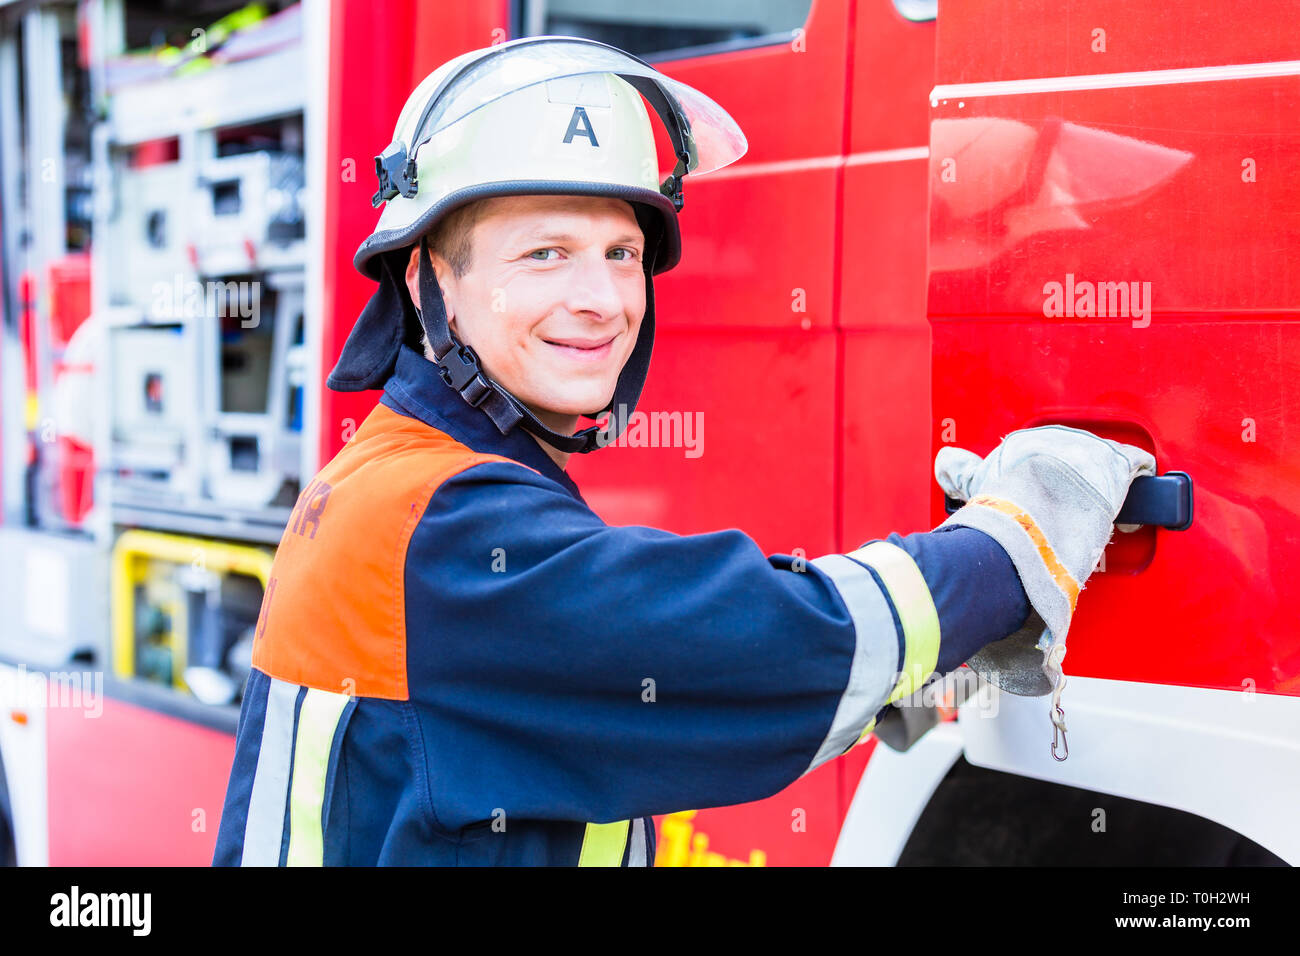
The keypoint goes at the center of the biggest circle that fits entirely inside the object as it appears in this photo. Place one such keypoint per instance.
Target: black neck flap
(370, 352)
(459, 366)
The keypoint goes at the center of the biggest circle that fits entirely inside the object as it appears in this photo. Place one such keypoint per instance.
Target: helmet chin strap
(460, 369)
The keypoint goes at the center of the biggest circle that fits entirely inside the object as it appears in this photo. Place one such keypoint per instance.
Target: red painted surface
(69, 296)
(27, 319)
(1000, 40)
(133, 787)
(717, 379)
(76, 478)
(1144, 184)
(789, 100)
(884, 424)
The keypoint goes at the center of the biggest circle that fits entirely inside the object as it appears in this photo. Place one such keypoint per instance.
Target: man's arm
(562, 668)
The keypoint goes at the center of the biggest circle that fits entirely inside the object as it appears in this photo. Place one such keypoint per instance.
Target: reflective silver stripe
(636, 847)
(264, 828)
(875, 664)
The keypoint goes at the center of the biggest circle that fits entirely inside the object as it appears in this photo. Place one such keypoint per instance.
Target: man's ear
(413, 275)
(440, 270)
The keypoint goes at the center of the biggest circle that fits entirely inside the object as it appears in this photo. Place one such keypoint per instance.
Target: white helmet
(540, 115)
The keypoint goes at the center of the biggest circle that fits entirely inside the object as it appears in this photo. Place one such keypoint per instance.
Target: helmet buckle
(395, 172)
(459, 368)
(672, 186)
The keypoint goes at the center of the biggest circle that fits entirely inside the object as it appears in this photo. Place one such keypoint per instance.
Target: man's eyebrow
(567, 237)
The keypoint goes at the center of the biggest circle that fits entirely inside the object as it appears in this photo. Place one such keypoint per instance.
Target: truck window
(666, 29)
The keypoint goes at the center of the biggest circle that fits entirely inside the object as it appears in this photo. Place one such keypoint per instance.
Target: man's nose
(593, 289)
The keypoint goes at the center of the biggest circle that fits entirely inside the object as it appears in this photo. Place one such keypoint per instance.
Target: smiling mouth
(583, 350)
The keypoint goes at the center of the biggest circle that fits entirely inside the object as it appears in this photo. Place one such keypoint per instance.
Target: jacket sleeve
(565, 669)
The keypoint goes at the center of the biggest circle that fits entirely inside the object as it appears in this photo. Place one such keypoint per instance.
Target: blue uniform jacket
(457, 662)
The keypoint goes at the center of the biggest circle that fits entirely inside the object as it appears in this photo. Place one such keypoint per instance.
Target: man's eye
(544, 256)
(629, 252)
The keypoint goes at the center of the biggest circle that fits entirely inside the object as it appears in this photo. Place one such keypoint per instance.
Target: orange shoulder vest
(334, 612)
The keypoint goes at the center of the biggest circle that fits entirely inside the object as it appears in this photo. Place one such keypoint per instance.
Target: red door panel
(1211, 608)
(885, 445)
(893, 73)
(982, 41)
(788, 98)
(883, 281)
(888, 479)
(1186, 197)
(765, 463)
(757, 252)
(1110, 185)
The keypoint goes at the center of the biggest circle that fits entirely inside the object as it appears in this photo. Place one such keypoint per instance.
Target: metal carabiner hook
(1058, 733)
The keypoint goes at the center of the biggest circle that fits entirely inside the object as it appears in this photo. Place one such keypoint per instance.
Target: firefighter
(457, 662)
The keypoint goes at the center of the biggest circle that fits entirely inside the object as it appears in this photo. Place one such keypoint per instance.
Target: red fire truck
(949, 224)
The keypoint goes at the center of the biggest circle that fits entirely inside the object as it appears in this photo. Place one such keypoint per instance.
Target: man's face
(553, 299)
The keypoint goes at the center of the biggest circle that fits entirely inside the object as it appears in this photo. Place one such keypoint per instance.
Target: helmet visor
(713, 138)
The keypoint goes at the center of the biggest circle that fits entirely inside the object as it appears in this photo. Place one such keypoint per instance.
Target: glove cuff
(1049, 585)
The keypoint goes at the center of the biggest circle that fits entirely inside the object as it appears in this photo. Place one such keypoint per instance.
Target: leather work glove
(1049, 496)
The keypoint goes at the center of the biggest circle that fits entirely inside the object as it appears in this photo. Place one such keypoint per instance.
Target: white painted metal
(23, 696)
(13, 434)
(1232, 757)
(221, 96)
(1229, 756)
(891, 796)
(1111, 81)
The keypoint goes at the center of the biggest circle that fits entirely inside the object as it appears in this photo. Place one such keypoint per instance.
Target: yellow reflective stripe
(603, 844)
(317, 721)
(911, 596)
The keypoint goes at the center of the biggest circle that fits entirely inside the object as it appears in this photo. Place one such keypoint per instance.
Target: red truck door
(1114, 218)
(1114, 224)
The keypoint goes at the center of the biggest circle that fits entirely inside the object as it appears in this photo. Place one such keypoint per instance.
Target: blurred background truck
(952, 222)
